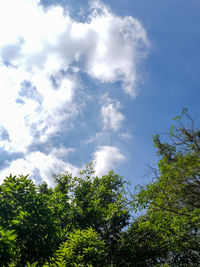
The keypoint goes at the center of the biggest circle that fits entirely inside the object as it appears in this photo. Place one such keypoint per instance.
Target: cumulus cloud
(105, 158)
(41, 53)
(119, 49)
(31, 109)
(109, 45)
(40, 166)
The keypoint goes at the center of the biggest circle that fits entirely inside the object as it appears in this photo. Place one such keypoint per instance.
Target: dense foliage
(85, 220)
(172, 201)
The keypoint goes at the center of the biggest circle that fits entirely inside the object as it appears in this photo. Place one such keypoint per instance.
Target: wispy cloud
(126, 135)
(112, 118)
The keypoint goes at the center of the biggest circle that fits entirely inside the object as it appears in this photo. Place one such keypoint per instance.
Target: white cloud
(126, 135)
(25, 117)
(61, 151)
(38, 45)
(121, 46)
(94, 138)
(105, 158)
(110, 46)
(112, 118)
(47, 164)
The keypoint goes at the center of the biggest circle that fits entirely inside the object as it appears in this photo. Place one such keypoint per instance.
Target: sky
(85, 81)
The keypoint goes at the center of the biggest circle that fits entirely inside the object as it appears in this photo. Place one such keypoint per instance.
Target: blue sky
(93, 80)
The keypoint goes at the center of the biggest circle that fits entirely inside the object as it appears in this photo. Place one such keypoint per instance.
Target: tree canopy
(172, 201)
(91, 221)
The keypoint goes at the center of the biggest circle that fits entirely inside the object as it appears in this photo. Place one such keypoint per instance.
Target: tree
(101, 203)
(7, 246)
(39, 219)
(82, 248)
(25, 211)
(172, 201)
(140, 246)
(90, 201)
